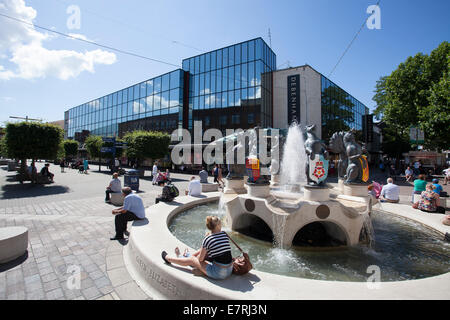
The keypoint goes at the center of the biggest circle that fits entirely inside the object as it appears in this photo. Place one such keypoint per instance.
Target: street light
(26, 118)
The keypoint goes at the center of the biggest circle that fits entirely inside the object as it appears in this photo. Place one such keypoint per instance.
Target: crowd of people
(425, 196)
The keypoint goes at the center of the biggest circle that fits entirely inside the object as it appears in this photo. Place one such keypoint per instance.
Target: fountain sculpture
(300, 214)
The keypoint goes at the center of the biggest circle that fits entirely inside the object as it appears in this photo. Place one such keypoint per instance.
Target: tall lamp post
(26, 118)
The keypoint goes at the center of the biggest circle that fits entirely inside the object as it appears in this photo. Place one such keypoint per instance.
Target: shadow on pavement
(27, 190)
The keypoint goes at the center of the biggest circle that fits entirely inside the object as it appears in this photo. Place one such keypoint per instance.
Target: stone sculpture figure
(317, 166)
(236, 170)
(257, 173)
(357, 170)
(337, 146)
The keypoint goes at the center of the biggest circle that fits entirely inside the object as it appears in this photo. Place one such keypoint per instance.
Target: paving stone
(91, 293)
(52, 285)
(119, 276)
(49, 277)
(35, 295)
(55, 294)
(130, 291)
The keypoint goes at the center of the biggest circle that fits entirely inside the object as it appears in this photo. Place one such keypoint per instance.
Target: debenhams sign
(293, 98)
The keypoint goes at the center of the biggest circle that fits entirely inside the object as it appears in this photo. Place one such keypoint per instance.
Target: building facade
(233, 87)
(304, 95)
(221, 88)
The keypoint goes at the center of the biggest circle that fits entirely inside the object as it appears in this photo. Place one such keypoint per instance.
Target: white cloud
(24, 45)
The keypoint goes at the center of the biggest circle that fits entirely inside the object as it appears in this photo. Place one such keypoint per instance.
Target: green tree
(146, 144)
(416, 94)
(93, 146)
(3, 148)
(70, 148)
(32, 140)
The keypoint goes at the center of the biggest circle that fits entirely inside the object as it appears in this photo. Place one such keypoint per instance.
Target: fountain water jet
(293, 163)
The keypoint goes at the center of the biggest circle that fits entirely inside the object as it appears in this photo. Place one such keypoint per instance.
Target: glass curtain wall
(159, 96)
(340, 110)
(230, 78)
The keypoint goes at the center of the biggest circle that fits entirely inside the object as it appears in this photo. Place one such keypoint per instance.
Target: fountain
(294, 238)
(293, 163)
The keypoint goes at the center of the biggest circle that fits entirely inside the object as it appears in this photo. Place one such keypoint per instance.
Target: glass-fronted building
(221, 88)
(225, 85)
(340, 110)
(304, 95)
(152, 104)
(233, 87)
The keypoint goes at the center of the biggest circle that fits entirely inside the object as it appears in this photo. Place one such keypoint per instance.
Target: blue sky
(42, 74)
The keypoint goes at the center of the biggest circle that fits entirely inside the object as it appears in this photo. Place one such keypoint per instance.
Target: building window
(251, 118)
(235, 119)
(223, 120)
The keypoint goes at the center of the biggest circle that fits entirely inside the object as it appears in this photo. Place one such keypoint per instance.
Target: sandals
(163, 255)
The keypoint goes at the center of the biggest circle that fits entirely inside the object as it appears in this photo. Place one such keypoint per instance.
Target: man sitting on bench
(46, 173)
(390, 192)
(133, 209)
(115, 186)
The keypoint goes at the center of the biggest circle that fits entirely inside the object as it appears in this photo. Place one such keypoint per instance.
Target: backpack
(174, 192)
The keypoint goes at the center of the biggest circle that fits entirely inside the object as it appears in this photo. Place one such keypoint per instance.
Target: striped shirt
(218, 247)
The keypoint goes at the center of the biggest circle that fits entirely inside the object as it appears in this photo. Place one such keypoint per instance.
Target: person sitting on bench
(390, 192)
(169, 192)
(133, 209)
(46, 173)
(115, 186)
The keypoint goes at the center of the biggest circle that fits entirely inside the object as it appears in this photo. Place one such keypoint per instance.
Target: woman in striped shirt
(216, 247)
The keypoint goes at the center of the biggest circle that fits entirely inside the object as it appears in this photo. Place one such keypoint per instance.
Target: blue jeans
(219, 271)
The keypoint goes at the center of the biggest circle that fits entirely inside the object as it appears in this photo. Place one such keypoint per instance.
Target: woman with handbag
(216, 247)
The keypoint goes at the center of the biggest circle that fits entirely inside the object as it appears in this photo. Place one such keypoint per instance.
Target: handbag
(241, 264)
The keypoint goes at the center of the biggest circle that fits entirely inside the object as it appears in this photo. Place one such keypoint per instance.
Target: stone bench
(117, 198)
(210, 187)
(443, 201)
(13, 243)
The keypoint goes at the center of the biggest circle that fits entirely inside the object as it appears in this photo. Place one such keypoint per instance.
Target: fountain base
(234, 186)
(355, 190)
(316, 193)
(258, 190)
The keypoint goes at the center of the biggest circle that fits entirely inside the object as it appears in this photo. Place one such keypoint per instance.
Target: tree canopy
(94, 145)
(417, 94)
(147, 144)
(32, 140)
(70, 148)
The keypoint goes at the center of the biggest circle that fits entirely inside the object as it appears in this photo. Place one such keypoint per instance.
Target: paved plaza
(69, 227)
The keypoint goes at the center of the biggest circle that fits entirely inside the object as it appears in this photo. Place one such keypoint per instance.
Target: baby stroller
(160, 178)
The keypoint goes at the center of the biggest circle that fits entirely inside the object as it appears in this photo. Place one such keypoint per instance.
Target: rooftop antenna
(270, 39)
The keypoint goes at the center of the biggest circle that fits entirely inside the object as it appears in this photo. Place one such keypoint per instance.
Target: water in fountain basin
(294, 159)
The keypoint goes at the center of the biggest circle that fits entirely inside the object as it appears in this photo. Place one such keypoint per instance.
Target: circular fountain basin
(161, 281)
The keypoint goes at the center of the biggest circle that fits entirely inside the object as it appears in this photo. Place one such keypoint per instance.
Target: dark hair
(126, 190)
(421, 176)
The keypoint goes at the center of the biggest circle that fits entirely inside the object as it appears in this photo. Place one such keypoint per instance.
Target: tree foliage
(32, 140)
(70, 148)
(94, 145)
(417, 94)
(147, 144)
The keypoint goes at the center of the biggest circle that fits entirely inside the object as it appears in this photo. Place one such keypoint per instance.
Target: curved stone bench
(117, 198)
(210, 187)
(148, 238)
(13, 243)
